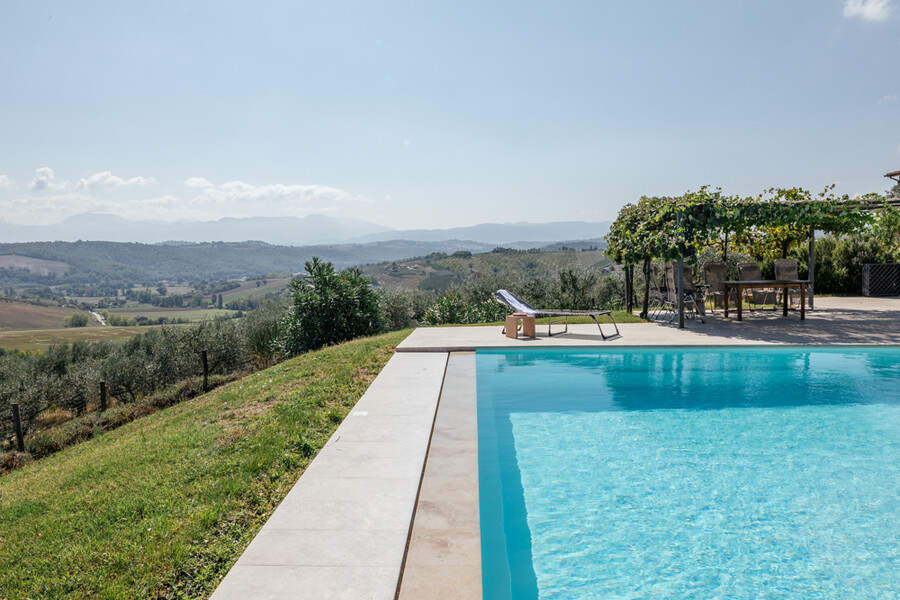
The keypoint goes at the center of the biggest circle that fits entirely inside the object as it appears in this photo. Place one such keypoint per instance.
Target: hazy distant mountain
(291, 231)
(500, 233)
(286, 231)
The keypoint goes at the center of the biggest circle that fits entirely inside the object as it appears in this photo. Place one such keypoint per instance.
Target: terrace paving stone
(279, 582)
(428, 582)
(325, 548)
(444, 548)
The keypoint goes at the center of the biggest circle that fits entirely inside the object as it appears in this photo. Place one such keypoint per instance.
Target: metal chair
(749, 271)
(715, 274)
(659, 296)
(691, 301)
(786, 268)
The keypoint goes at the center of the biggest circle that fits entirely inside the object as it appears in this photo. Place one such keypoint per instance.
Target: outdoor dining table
(740, 286)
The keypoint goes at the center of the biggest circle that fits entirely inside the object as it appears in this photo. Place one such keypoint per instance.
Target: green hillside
(120, 265)
(440, 271)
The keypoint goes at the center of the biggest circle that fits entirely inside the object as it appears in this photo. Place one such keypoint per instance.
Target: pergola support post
(812, 265)
(680, 280)
(680, 292)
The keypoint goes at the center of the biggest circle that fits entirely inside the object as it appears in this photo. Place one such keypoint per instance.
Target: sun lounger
(520, 306)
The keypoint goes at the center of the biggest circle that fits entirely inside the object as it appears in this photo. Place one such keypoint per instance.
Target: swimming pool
(690, 473)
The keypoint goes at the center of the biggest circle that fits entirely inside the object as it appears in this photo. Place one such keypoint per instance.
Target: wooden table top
(772, 282)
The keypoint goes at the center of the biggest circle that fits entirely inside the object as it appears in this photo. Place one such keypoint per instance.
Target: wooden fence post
(102, 396)
(17, 424)
(205, 370)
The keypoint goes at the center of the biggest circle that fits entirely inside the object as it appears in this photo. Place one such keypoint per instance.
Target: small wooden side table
(512, 325)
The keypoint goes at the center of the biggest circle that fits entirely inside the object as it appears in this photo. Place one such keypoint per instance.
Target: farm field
(248, 289)
(33, 265)
(20, 315)
(40, 339)
(154, 312)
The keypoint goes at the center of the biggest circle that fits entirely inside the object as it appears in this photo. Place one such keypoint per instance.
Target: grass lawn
(163, 506)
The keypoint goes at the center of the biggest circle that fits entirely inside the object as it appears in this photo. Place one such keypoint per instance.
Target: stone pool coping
(389, 508)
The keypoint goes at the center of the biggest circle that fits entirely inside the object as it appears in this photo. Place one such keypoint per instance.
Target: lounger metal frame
(549, 313)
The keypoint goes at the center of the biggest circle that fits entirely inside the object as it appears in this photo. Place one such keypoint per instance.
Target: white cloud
(49, 199)
(107, 180)
(887, 99)
(198, 182)
(868, 10)
(239, 199)
(45, 179)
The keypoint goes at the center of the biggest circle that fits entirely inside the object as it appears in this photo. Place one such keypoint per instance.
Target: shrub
(262, 331)
(450, 308)
(396, 309)
(329, 307)
(76, 320)
(115, 320)
(42, 443)
(9, 461)
(401, 308)
(575, 288)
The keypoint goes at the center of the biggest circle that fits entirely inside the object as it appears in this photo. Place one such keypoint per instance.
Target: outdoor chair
(693, 300)
(786, 268)
(659, 296)
(715, 274)
(749, 271)
(696, 292)
(520, 306)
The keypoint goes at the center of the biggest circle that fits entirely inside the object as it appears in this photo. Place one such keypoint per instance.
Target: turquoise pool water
(725, 473)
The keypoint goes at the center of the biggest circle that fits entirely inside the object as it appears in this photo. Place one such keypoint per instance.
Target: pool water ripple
(658, 497)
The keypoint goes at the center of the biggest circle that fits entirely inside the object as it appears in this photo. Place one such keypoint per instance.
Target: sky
(427, 114)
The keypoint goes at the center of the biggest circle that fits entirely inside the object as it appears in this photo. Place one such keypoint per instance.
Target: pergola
(674, 224)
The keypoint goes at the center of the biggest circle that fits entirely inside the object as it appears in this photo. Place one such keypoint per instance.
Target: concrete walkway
(373, 518)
